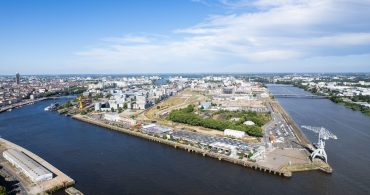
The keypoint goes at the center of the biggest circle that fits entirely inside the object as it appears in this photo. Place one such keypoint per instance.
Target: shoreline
(27, 102)
(23, 103)
(335, 99)
(285, 172)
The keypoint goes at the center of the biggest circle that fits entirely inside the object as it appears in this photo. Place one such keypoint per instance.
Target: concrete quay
(59, 180)
(315, 164)
(188, 148)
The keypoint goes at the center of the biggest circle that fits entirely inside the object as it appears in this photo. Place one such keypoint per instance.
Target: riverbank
(27, 102)
(344, 101)
(59, 180)
(285, 170)
(22, 103)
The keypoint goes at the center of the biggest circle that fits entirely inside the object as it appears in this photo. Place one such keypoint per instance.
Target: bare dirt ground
(279, 158)
(181, 100)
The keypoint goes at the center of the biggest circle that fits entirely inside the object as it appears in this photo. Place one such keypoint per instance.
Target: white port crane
(324, 134)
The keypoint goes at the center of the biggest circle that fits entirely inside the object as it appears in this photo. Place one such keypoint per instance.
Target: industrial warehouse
(28, 166)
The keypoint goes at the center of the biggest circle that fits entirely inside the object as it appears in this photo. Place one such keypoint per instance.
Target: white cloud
(277, 31)
(127, 39)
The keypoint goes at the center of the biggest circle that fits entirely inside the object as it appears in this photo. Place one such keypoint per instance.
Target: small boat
(9, 110)
(51, 107)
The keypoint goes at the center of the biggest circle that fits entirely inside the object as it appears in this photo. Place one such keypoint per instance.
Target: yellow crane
(82, 102)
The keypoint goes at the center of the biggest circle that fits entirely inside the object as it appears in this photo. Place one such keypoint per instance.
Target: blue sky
(165, 36)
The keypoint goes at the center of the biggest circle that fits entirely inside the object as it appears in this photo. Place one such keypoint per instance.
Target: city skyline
(198, 36)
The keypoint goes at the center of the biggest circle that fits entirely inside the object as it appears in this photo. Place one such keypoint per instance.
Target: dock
(59, 180)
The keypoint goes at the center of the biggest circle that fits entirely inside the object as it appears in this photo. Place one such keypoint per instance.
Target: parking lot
(283, 133)
(207, 140)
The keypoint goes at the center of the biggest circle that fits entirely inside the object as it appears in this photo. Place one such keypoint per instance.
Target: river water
(107, 162)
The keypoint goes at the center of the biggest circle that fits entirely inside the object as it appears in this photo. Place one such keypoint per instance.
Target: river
(108, 162)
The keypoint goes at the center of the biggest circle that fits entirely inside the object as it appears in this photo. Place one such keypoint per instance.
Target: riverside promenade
(59, 180)
(188, 148)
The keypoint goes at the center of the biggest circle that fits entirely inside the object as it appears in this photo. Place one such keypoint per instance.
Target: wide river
(107, 162)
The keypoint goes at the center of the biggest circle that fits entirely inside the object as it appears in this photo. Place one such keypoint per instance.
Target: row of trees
(187, 116)
(351, 105)
(361, 98)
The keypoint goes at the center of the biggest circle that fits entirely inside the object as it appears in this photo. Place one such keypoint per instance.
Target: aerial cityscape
(185, 97)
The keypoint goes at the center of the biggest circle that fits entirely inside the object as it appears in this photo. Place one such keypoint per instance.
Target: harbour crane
(324, 134)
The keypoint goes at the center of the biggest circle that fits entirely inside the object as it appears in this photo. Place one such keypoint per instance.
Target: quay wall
(188, 148)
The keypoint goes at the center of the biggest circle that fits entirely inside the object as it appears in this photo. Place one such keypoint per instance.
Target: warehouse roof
(26, 163)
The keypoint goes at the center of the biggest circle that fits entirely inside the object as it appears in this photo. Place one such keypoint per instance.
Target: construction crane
(324, 134)
(83, 102)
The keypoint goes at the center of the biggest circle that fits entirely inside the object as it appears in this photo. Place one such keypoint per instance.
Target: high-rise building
(17, 78)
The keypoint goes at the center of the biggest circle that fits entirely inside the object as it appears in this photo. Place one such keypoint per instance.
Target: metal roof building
(153, 128)
(234, 133)
(27, 165)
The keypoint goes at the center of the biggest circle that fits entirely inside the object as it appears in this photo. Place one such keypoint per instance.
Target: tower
(17, 78)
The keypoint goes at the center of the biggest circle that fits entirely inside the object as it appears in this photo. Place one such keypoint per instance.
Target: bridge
(299, 96)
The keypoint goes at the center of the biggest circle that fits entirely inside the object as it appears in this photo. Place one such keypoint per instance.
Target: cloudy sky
(184, 36)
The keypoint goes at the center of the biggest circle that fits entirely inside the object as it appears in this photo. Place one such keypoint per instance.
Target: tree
(112, 109)
(120, 110)
(187, 116)
(67, 104)
(2, 190)
(125, 106)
